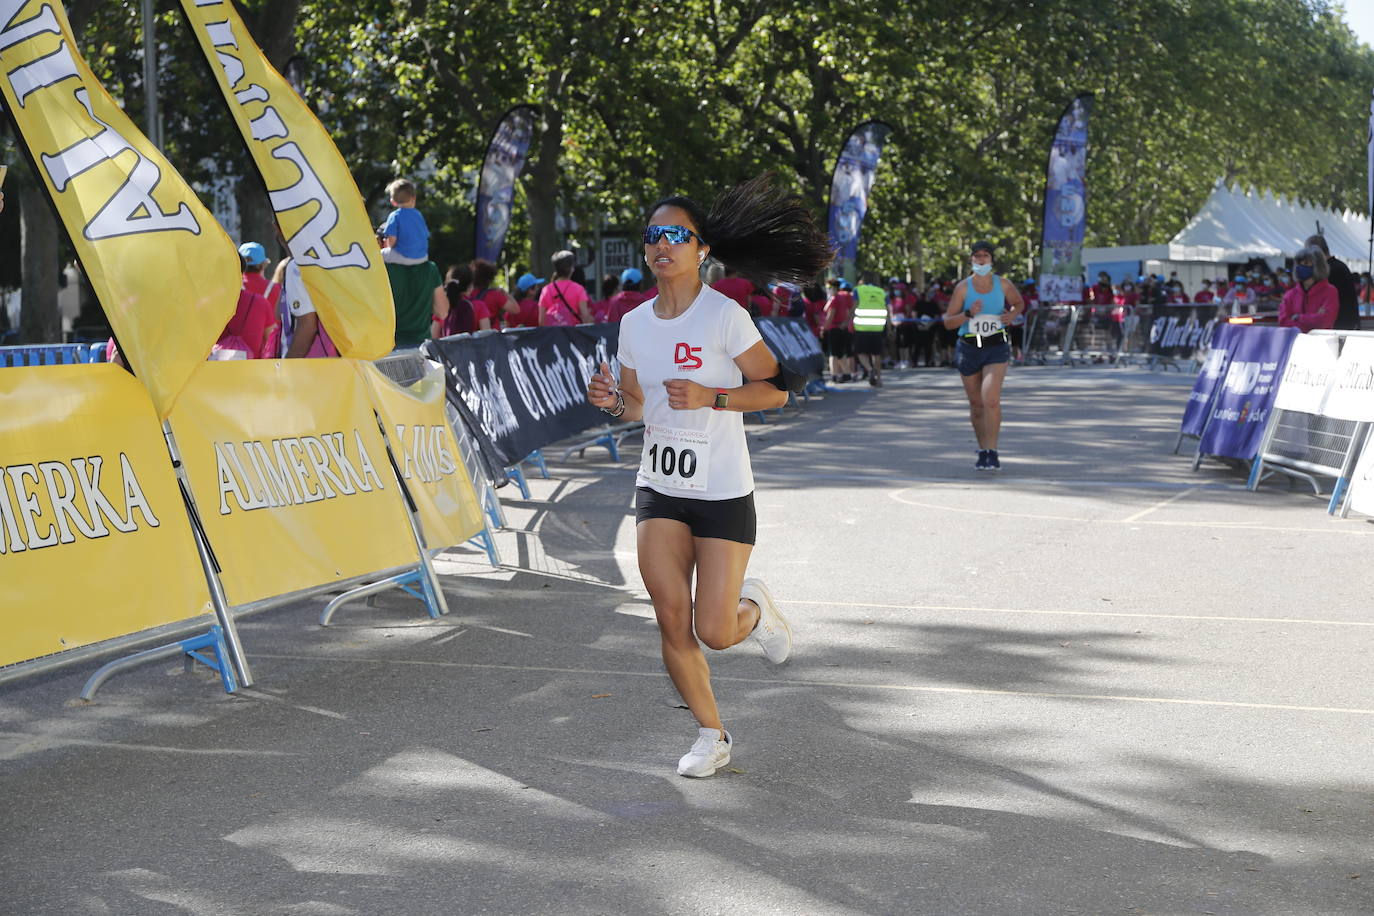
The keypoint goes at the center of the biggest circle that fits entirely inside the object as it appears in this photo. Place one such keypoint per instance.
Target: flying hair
(760, 231)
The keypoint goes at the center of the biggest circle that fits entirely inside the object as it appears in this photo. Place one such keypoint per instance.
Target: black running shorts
(728, 519)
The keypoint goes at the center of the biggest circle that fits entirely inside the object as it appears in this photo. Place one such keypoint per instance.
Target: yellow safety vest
(870, 314)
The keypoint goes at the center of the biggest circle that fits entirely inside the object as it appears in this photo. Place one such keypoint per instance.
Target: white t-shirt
(294, 292)
(702, 453)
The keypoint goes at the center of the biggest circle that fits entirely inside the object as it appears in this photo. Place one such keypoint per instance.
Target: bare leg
(973, 387)
(993, 376)
(722, 618)
(667, 555)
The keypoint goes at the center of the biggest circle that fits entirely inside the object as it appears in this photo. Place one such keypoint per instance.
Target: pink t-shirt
(490, 301)
(737, 288)
(560, 302)
(623, 302)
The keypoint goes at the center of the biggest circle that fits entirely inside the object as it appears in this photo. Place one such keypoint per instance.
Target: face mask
(982, 270)
(1304, 271)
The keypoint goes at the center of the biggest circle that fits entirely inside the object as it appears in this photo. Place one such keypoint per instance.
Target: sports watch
(722, 399)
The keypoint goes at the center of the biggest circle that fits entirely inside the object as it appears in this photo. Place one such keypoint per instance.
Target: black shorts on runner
(728, 519)
(869, 343)
(838, 343)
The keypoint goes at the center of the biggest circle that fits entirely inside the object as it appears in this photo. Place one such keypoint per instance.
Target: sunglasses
(676, 235)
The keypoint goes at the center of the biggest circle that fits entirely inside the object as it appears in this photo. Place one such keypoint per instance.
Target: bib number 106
(667, 461)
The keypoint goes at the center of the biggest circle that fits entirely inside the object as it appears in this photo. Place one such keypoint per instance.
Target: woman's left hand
(686, 395)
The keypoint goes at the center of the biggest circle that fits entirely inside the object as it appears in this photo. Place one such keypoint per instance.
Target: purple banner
(1208, 380)
(1066, 206)
(849, 188)
(1245, 397)
(505, 160)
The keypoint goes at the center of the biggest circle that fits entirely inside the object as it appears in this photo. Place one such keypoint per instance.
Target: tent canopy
(1250, 225)
(1234, 226)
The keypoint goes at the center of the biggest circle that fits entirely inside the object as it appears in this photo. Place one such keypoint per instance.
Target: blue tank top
(994, 303)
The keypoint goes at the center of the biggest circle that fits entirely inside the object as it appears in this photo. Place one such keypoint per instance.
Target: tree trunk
(257, 222)
(541, 191)
(39, 320)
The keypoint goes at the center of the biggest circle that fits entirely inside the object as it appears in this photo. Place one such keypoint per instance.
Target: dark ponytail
(760, 232)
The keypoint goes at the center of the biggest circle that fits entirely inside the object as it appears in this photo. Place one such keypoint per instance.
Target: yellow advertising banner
(317, 203)
(94, 540)
(290, 475)
(427, 454)
(165, 272)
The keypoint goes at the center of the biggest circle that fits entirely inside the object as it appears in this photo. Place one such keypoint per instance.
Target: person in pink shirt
(1205, 294)
(741, 289)
(629, 297)
(527, 306)
(601, 308)
(497, 303)
(253, 261)
(1313, 302)
(564, 303)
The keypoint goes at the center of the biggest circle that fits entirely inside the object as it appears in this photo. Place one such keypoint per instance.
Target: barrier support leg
(1347, 468)
(537, 457)
(484, 540)
(404, 581)
(191, 648)
(209, 565)
(517, 475)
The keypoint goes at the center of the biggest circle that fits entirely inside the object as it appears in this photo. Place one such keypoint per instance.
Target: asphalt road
(1098, 682)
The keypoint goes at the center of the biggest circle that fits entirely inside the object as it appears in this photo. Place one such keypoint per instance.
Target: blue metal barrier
(51, 354)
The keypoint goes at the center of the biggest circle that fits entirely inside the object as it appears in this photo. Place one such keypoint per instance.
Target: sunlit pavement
(1096, 682)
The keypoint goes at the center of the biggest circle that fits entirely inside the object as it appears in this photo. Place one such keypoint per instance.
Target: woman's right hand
(601, 390)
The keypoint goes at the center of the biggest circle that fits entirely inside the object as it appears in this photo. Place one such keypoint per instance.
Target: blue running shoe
(982, 464)
(993, 463)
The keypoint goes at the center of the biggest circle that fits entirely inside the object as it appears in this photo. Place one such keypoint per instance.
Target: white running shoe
(710, 752)
(772, 633)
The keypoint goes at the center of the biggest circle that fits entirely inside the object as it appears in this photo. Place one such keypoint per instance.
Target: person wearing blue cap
(527, 288)
(253, 261)
(629, 296)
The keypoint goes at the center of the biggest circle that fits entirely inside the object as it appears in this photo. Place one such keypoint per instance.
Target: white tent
(1234, 226)
(1250, 225)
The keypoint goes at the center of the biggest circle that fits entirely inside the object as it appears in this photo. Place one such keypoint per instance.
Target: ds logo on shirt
(686, 357)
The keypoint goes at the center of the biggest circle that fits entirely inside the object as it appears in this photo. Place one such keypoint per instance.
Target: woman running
(980, 308)
(692, 363)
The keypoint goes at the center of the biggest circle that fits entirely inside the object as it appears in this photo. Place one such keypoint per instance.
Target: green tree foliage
(640, 99)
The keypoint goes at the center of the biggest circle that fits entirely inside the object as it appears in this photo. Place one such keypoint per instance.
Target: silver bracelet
(619, 406)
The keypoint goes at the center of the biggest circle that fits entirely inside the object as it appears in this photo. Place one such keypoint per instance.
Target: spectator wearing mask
(1240, 299)
(1343, 281)
(1313, 302)
(1205, 294)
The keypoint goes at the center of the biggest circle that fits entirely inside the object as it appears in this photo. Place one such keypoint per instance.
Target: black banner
(518, 391)
(1183, 332)
(793, 345)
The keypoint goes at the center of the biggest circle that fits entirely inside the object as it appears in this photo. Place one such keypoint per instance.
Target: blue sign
(1066, 207)
(1245, 397)
(504, 162)
(1208, 380)
(849, 188)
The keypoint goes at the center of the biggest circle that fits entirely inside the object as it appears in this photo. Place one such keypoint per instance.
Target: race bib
(985, 325)
(678, 459)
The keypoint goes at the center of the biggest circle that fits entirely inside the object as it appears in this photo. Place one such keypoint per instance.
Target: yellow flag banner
(290, 475)
(94, 539)
(317, 203)
(165, 272)
(427, 454)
